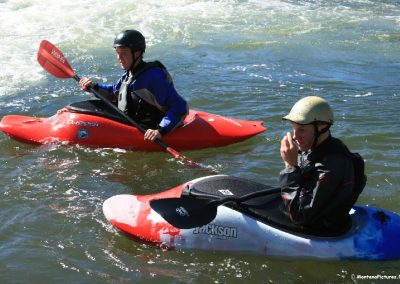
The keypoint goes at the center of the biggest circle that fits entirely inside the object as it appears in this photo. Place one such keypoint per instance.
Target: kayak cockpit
(100, 108)
(97, 108)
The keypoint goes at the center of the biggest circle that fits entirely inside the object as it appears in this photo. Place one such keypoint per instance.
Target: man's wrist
(161, 130)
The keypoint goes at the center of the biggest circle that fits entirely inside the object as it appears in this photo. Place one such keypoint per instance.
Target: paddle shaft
(130, 120)
(245, 197)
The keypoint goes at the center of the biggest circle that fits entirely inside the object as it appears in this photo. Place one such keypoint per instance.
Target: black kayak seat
(267, 209)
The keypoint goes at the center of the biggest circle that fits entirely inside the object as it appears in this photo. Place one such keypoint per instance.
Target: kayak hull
(200, 130)
(374, 233)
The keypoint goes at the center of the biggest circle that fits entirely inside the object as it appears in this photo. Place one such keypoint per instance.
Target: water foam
(84, 27)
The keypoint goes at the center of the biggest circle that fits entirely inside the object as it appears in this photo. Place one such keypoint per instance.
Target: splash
(87, 29)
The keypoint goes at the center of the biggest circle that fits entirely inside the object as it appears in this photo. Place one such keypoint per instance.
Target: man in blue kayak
(319, 182)
(145, 91)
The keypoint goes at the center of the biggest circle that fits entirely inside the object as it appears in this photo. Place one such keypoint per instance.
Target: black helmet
(132, 39)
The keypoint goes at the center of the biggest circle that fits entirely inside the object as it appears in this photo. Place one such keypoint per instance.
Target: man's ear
(138, 53)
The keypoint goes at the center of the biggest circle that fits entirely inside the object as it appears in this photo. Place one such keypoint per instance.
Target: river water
(246, 59)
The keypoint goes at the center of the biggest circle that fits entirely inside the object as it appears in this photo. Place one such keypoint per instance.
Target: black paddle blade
(185, 212)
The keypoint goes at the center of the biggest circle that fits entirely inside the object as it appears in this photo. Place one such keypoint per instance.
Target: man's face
(303, 135)
(124, 56)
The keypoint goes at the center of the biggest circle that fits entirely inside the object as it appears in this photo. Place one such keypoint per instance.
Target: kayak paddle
(186, 212)
(54, 62)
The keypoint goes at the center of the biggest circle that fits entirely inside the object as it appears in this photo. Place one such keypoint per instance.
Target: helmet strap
(135, 60)
(317, 133)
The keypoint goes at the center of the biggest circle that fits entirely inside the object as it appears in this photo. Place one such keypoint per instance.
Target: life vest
(144, 110)
(332, 215)
(340, 199)
(360, 179)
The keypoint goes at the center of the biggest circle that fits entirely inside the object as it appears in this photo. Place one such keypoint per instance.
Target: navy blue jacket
(155, 87)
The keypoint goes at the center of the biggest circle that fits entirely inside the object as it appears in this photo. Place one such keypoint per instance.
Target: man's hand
(152, 134)
(289, 151)
(86, 84)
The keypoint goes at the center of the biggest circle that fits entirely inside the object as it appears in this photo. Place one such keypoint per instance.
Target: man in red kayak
(145, 91)
(319, 182)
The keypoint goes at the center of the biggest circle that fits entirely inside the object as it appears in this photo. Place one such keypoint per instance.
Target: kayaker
(318, 181)
(145, 91)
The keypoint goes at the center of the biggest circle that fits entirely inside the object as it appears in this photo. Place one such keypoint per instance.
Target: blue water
(245, 59)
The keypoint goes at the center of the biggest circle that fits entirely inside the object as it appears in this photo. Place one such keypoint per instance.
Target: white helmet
(310, 110)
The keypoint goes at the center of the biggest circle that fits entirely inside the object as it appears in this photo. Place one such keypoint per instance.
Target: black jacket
(318, 192)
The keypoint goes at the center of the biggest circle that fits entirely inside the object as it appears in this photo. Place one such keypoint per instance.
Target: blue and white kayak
(254, 226)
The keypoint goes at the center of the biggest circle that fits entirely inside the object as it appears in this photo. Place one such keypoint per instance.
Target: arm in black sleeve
(307, 191)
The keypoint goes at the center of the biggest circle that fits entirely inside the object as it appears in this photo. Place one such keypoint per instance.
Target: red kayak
(92, 123)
